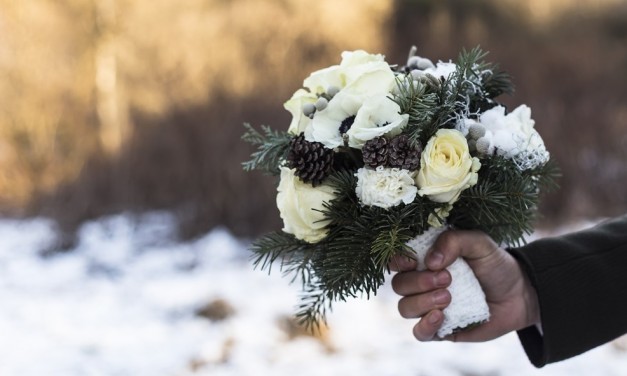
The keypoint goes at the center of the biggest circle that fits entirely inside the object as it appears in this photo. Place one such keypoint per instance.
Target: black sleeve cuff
(533, 344)
(580, 281)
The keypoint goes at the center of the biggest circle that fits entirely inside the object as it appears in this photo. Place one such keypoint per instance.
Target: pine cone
(311, 160)
(375, 152)
(402, 155)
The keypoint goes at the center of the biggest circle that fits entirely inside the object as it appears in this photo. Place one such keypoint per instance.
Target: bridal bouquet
(379, 159)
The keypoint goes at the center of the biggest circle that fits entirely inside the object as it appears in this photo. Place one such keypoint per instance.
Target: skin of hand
(512, 300)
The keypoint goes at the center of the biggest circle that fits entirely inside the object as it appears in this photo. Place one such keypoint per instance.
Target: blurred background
(121, 105)
(127, 107)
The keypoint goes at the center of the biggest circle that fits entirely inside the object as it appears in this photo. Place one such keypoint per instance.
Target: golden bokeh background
(129, 105)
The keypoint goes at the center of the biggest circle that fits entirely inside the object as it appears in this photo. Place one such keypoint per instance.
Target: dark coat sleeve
(581, 282)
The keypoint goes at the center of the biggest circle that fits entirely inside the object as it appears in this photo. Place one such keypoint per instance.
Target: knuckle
(403, 308)
(397, 283)
(421, 333)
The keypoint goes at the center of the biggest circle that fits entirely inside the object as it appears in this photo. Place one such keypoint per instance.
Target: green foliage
(504, 202)
(272, 149)
(420, 102)
(475, 84)
(437, 102)
(352, 260)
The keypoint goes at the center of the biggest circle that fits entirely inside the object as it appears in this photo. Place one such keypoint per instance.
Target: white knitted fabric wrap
(468, 304)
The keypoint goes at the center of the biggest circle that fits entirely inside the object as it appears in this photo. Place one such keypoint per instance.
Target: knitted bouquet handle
(468, 304)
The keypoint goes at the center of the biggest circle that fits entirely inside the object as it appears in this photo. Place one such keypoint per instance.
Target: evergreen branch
(272, 149)
(503, 203)
(388, 243)
(419, 100)
(496, 82)
(504, 214)
(276, 245)
(312, 310)
(545, 175)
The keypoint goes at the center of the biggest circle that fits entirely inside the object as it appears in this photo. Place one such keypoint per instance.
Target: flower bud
(332, 90)
(309, 109)
(484, 146)
(321, 104)
(476, 131)
(472, 145)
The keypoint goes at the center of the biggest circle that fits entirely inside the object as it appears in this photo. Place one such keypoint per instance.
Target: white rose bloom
(377, 116)
(385, 187)
(339, 114)
(514, 136)
(300, 123)
(299, 206)
(446, 167)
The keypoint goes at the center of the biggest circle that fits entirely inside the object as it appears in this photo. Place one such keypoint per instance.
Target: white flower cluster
(349, 104)
(385, 187)
(510, 135)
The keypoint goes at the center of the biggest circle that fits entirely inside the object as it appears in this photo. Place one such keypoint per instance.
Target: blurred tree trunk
(110, 103)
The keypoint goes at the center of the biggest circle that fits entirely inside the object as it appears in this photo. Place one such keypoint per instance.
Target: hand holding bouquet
(379, 159)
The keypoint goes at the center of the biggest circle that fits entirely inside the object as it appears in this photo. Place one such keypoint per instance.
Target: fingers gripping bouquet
(379, 159)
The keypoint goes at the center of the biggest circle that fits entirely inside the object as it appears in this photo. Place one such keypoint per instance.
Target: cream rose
(446, 167)
(299, 206)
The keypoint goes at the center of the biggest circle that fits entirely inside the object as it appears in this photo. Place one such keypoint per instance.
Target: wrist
(532, 305)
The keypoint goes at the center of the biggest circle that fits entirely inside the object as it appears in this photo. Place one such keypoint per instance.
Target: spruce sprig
(504, 201)
(419, 100)
(275, 246)
(272, 148)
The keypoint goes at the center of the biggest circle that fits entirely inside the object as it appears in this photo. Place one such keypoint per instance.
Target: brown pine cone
(311, 160)
(375, 152)
(402, 155)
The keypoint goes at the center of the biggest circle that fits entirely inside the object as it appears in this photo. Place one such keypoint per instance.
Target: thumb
(452, 244)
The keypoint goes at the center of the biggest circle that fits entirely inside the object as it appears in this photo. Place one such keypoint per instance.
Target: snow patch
(124, 302)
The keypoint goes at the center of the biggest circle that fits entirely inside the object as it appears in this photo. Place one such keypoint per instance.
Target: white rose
(329, 125)
(377, 116)
(299, 206)
(385, 187)
(446, 167)
(513, 135)
(300, 123)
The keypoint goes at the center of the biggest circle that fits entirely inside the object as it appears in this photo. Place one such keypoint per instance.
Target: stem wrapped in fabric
(468, 303)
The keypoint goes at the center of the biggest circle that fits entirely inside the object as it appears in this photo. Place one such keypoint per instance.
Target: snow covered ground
(124, 302)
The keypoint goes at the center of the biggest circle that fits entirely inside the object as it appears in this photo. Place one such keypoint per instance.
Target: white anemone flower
(366, 73)
(329, 126)
(300, 123)
(378, 116)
